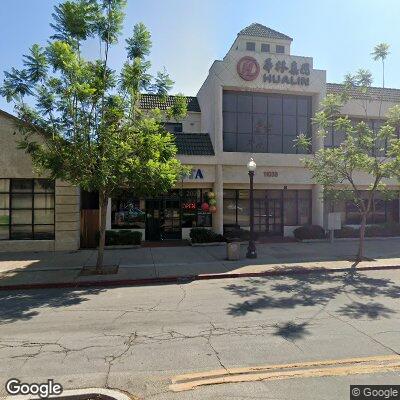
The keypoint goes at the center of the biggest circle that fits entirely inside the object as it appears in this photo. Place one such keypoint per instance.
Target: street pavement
(137, 339)
(210, 261)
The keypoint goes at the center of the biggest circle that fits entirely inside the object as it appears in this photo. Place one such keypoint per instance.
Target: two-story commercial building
(253, 103)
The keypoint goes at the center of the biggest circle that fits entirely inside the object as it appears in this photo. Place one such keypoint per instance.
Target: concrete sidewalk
(167, 264)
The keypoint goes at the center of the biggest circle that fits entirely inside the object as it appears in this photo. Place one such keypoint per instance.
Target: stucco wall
(14, 163)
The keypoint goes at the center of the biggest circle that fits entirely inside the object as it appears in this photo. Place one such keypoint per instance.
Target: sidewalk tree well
(92, 131)
(364, 151)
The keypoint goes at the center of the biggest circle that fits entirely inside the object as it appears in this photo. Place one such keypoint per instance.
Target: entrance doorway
(268, 215)
(163, 221)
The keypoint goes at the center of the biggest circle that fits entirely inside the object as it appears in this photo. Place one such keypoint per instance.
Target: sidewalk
(172, 264)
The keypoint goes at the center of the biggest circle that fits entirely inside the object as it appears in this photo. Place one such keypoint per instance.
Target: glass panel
(289, 145)
(4, 232)
(4, 185)
(43, 186)
(230, 122)
(244, 123)
(265, 47)
(289, 125)
(44, 201)
(275, 105)
(4, 217)
(229, 102)
(229, 142)
(260, 104)
(244, 103)
(243, 194)
(274, 144)
(21, 201)
(251, 46)
(21, 217)
(21, 232)
(260, 144)
(304, 212)
(21, 185)
(302, 126)
(244, 143)
(290, 207)
(275, 125)
(204, 219)
(4, 200)
(243, 212)
(229, 194)
(303, 106)
(328, 140)
(229, 211)
(289, 105)
(338, 138)
(260, 123)
(44, 217)
(44, 232)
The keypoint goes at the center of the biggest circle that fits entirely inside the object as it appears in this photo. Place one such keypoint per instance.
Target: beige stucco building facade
(35, 214)
(253, 103)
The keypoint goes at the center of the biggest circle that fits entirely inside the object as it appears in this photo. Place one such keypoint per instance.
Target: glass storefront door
(274, 217)
(268, 212)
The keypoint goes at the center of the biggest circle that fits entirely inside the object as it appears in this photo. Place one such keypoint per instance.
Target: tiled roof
(148, 101)
(263, 31)
(374, 93)
(194, 144)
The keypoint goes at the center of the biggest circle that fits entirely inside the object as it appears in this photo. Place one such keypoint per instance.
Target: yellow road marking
(351, 366)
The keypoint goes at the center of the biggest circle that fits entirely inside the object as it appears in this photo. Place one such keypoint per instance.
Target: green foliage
(309, 232)
(203, 235)
(93, 133)
(123, 237)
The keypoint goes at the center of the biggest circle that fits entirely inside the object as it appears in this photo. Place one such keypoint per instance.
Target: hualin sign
(279, 72)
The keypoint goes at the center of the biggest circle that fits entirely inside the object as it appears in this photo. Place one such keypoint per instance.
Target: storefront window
(126, 213)
(382, 211)
(26, 209)
(267, 207)
(192, 213)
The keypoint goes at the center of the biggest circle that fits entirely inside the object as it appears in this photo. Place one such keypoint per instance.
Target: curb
(82, 394)
(188, 278)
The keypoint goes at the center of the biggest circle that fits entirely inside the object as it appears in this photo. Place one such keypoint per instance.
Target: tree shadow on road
(314, 289)
(23, 305)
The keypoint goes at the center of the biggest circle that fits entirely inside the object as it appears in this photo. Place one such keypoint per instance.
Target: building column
(218, 188)
(317, 205)
(108, 218)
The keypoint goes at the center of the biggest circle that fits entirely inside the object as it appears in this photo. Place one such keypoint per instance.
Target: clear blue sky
(188, 35)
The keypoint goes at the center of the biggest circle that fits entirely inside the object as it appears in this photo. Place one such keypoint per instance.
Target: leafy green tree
(81, 119)
(364, 151)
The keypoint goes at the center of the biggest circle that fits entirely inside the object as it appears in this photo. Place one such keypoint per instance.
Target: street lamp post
(251, 249)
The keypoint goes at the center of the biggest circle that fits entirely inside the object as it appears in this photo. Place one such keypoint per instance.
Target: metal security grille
(27, 209)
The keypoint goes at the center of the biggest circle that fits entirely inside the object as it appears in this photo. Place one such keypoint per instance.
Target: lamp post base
(251, 251)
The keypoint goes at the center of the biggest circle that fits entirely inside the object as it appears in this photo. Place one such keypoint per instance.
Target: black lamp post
(251, 249)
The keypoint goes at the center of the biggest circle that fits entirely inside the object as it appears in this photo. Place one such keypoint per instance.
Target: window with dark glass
(264, 123)
(173, 127)
(280, 48)
(335, 138)
(250, 46)
(127, 213)
(382, 210)
(295, 206)
(265, 48)
(192, 213)
(26, 209)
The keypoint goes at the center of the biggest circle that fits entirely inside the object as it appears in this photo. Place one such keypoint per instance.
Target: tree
(364, 150)
(93, 133)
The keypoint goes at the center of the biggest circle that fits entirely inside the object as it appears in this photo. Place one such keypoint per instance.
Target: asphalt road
(138, 339)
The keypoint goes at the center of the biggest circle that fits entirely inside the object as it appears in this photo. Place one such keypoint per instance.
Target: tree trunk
(360, 254)
(103, 203)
